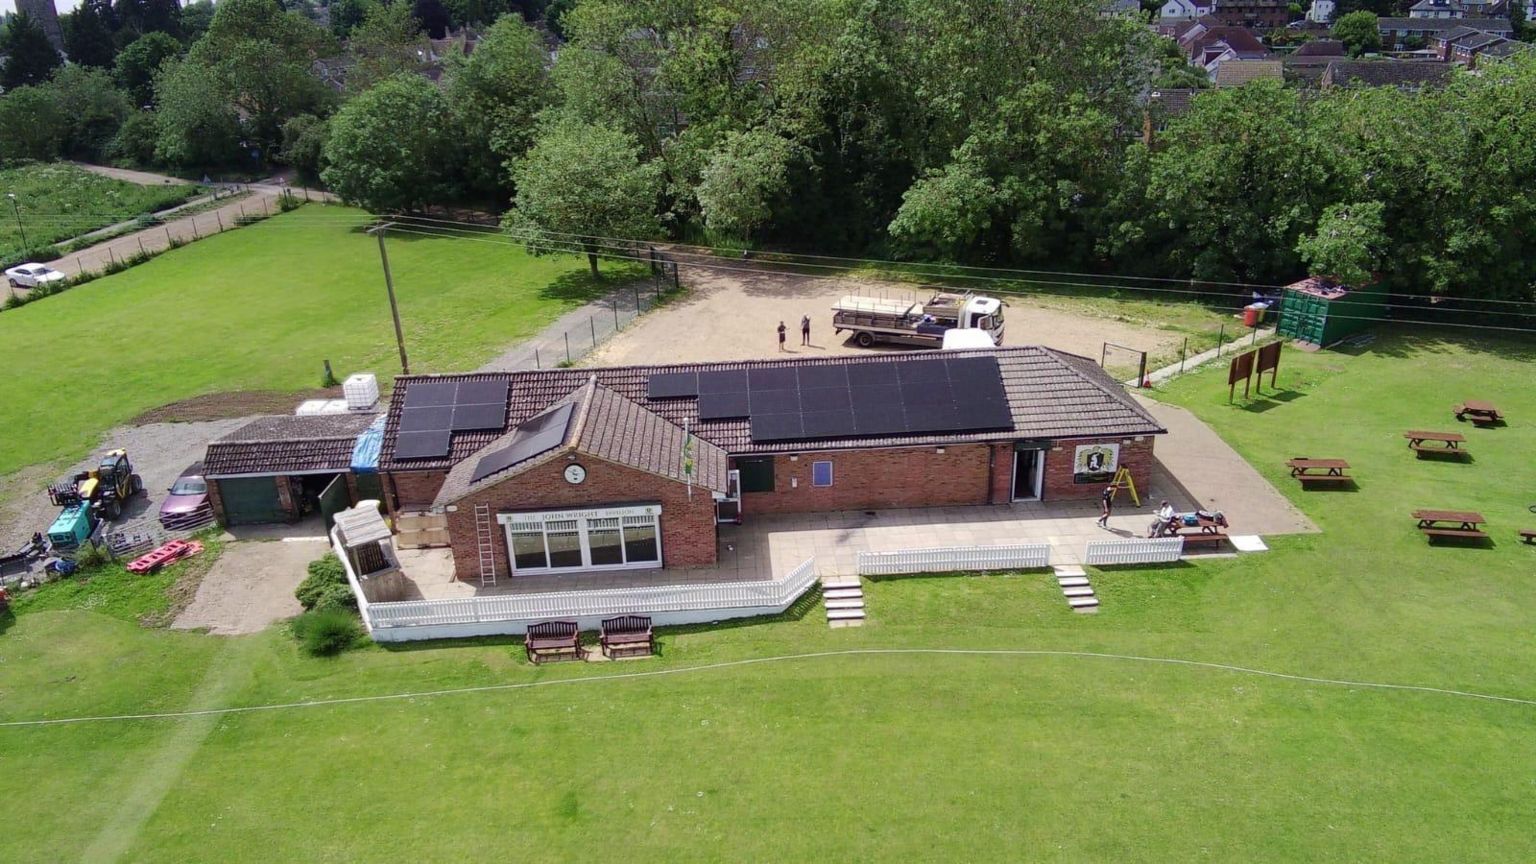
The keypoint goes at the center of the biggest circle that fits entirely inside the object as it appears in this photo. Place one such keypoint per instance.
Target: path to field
(732, 315)
(251, 586)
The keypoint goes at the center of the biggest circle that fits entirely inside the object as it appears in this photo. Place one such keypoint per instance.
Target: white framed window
(821, 473)
(614, 538)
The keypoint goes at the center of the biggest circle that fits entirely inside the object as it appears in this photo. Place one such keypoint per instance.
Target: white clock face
(575, 474)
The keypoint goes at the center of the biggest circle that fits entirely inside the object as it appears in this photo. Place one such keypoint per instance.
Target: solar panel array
(788, 403)
(537, 435)
(434, 410)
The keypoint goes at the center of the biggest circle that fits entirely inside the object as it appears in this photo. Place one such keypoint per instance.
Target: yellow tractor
(105, 488)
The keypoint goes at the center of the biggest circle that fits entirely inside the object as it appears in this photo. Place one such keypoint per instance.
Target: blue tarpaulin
(365, 453)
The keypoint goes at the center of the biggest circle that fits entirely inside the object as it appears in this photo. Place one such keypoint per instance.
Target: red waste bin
(1251, 315)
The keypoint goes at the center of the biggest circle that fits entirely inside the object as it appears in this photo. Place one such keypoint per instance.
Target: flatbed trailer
(924, 324)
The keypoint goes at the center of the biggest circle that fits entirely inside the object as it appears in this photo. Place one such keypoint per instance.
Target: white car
(31, 275)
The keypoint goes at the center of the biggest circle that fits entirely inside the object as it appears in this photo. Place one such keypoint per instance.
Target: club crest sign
(1095, 463)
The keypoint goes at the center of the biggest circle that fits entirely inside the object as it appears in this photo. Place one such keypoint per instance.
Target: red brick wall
(687, 526)
(415, 490)
(874, 479)
(1059, 486)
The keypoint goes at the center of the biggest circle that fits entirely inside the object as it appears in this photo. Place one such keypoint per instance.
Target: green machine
(73, 527)
(1322, 312)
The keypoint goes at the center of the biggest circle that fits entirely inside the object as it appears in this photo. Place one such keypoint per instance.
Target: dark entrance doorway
(1028, 469)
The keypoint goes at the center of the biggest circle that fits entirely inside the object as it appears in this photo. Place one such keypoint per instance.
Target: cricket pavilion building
(632, 468)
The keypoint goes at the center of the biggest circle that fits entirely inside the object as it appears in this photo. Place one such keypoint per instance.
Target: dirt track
(732, 315)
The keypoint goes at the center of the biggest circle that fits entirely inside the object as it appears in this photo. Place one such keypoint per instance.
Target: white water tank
(361, 391)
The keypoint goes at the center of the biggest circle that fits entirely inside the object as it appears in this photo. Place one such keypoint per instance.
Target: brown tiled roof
(1236, 73)
(1435, 25)
(1386, 73)
(1051, 395)
(1320, 48)
(609, 427)
(287, 444)
(1170, 102)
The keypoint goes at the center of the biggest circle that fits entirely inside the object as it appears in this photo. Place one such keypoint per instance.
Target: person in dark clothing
(805, 330)
(1106, 503)
(782, 331)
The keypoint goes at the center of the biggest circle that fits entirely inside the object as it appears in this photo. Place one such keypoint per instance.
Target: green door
(334, 499)
(251, 501)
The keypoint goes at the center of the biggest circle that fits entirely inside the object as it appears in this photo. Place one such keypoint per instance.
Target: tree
(93, 107)
(197, 127)
(496, 94)
(580, 182)
(32, 126)
(948, 211)
(388, 149)
(741, 180)
(1359, 31)
(135, 139)
(1347, 244)
(196, 17)
(29, 57)
(347, 14)
(304, 140)
(138, 64)
(88, 34)
(433, 17)
(384, 44)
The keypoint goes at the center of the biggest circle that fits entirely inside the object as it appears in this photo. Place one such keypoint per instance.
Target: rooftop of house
(1049, 394)
(1437, 25)
(287, 444)
(1236, 73)
(1171, 102)
(1208, 33)
(1386, 73)
(1320, 48)
(1506, 48)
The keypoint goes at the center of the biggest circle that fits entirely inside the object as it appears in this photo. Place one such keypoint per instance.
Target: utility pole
(17, 210)
(389, 286)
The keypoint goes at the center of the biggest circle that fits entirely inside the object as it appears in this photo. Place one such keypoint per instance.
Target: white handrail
(948, 558)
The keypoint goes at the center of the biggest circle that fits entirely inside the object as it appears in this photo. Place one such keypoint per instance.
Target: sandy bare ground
(733, 316)
(250, 586)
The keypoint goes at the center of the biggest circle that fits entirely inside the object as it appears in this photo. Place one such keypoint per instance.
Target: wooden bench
(1481, 413)
(553, 640)
(627, 636)
(1451, 524)
(1307, 471)
(1528, 535)
(1444, 443)
(1195, 537)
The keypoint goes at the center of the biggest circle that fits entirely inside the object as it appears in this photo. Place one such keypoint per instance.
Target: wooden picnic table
(1319, 470)
(1450, 523)
(1482, 413)
(1445, 442)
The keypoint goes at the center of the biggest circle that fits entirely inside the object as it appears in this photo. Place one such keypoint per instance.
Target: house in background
(1163, 107)
(1464, 46)
(1400, 34)
(1186, 10)
(1207, 44)
(1402, 74)
(1320, 12)
(1257, 14)
(1236, 73)
(1305, 66)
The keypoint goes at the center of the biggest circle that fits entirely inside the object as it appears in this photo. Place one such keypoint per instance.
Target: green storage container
(72, 528)
(1323, 312)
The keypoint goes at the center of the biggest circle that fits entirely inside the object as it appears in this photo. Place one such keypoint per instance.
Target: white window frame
(831, 474)
(538, 523)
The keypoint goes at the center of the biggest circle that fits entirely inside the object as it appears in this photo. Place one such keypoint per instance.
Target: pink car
(188, 502)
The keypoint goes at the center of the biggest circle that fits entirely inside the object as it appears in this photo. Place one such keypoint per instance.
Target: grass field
(262, 308)
(57, 202)
(887, 756)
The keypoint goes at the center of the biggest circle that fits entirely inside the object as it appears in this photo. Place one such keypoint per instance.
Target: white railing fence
(703, 597)
(948, 558)
(1138, 551)
(357, 589)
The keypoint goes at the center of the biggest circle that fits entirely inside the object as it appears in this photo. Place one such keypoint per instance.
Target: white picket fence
(945, 559)
(511, 613)
(1137, 551)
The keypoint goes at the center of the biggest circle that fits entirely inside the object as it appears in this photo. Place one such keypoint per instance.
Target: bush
(91, 556)
(327, 632)
(325, 574)
(336, 597)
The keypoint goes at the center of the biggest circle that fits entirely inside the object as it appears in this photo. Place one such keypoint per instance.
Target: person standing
(805, 330)
(1107, 503)
(782, 331)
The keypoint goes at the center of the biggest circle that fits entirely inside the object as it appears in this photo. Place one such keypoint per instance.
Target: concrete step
(1069, 570)
(842, 593)
(844, 614)
(849, 622)
(1082, 602)
(834, 582)
(1078, 591)
(845, 604)
(1071, 581)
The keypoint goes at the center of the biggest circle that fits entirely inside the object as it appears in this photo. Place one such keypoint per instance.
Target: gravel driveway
(159, 452)
(251, 586)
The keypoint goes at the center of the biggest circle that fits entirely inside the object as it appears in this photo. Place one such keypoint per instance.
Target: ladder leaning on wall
(487, 548)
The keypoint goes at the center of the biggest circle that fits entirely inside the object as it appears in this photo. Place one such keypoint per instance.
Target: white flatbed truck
(873, 319)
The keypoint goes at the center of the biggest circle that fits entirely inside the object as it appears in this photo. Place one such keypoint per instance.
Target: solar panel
(824, 376)
(887, 419)
(828, 424)
(777, 427)
(424, 419)
(930, 418)
(672, 385)
(972, 367)
(825, 399)
(482, 393)
(984, 415)
(927, 394)
(422, 445)
(420, 394)
(882, 394)
(534, 436)
(723, 381)
(773, 378)
(922, 372)
(872, 374)
(775, 402)
(488, 416)
(721, 406)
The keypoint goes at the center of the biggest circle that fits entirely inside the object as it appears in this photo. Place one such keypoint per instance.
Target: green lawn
(894, 756)
(57, 202)
(263, 308)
